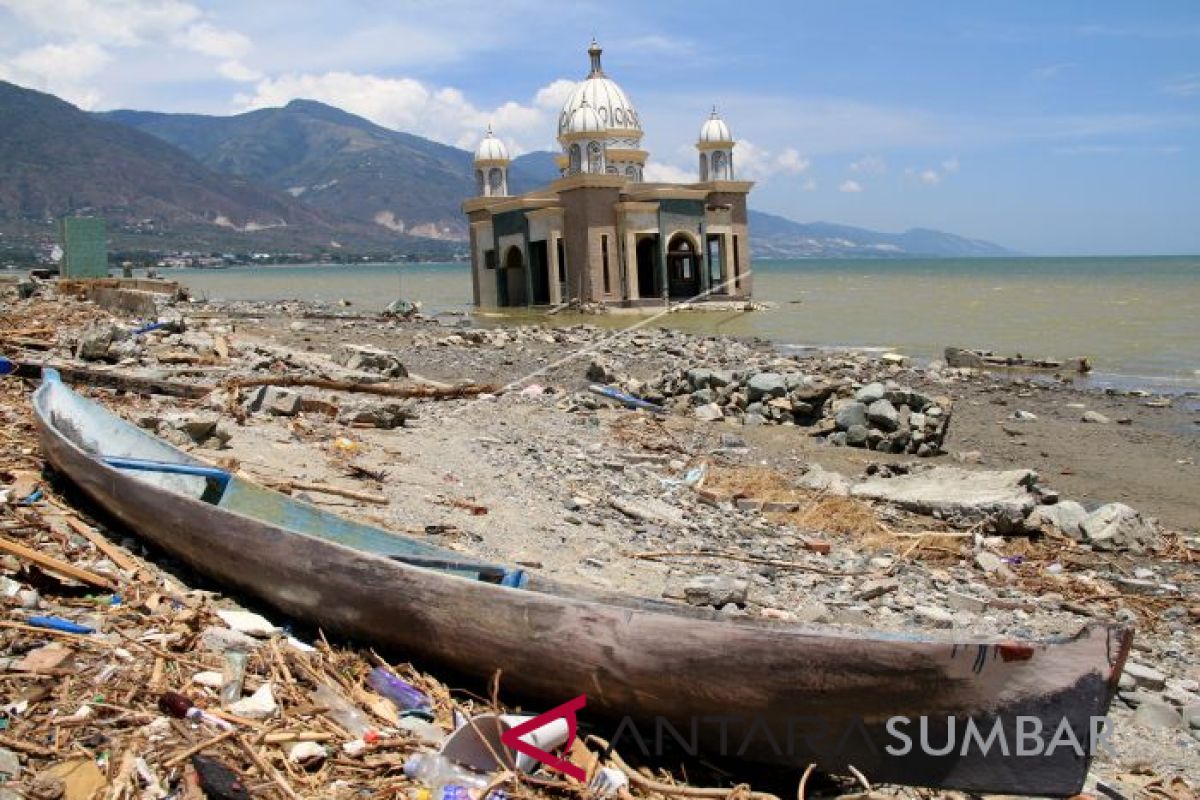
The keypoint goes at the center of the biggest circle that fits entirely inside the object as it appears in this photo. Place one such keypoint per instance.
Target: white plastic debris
(209, 678)
(248, 622)
(259, 705)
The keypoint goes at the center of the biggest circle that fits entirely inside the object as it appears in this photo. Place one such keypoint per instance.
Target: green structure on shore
(85, 249)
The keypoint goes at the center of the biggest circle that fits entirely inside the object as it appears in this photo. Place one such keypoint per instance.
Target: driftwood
(382, 389)
(136, 384)
(325, 488)
(54, 565)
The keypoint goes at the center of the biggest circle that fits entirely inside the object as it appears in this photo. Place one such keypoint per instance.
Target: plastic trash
(180, 706)
(341, 710)
(608, 781)
(406, 696)
(59, 624)
(232, 675)
(436, 771)
(7, 367)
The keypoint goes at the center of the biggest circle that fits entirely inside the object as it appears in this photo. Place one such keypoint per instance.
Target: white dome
(491, 148)
(715, 131)
(584, 120)
(607, 100)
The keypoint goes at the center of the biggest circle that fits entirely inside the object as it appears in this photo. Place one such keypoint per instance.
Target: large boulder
(371, 359)
(1116, 526)
(952, 493)
(767, 385)
(870, 393)
(851, 414)
(883, 415)
(1066, 516)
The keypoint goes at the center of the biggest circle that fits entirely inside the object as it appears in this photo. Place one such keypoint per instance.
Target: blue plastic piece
(220, 476)
(514, 579)
(33, 497)
(626, 399)
(50, 375)
(7, 367)
(153, 326)
(59, 624)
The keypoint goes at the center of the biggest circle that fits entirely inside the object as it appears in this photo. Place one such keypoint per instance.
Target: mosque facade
(600, 233)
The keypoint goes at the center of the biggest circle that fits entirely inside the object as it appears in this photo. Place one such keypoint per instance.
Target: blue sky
(1063, 127)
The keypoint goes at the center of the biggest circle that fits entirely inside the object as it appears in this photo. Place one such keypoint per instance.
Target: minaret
(716, 149)
(491, 167)
(594, 52)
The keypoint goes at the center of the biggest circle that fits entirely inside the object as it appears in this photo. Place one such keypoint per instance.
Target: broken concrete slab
(1065, 516)
(949, 492)
(1116, 526)
(715, 590)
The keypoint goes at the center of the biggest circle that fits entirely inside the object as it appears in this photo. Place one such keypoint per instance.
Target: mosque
(599, 233)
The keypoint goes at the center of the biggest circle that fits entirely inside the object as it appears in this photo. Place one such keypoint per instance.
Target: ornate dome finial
(594, 52)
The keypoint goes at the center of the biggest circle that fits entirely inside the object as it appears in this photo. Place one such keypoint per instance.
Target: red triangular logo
(512, 737)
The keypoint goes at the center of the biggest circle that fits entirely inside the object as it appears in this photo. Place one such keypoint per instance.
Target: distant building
(85, 248)
(599, 233)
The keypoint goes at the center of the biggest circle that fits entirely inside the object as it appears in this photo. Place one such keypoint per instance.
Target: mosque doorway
(683, 267)
(512, 279)
(647, 267)
(539, 271)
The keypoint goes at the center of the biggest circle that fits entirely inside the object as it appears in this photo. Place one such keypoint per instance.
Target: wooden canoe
(985, 359)
(746, 690)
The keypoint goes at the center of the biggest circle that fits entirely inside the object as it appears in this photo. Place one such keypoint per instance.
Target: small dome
(715, 131)
(584, 120)
(491, 148)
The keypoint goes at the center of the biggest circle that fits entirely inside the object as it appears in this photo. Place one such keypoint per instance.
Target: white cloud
(1050, 71)
(1183, 86)
(850, 187)
(656, 172)
(60, 69)
(791, 161)
(930, 177)
(869, 165)
(758, 163)
(443, 114)
(554, 95)
(950, 164)
(809, 185)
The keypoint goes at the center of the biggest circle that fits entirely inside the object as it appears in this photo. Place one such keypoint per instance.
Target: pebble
(1144, 676)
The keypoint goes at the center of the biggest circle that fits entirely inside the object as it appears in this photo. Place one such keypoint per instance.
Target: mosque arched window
(595, 157)
(631, 173)
(576, 158)
(704, 166)
(719, 168)
(496, 181)
(479, 181)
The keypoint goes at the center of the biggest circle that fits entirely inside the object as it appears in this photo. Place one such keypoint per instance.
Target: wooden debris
(54, 565)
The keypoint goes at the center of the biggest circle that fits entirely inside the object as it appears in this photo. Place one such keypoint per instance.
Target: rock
(1095, 417)
(813, 612)
(96, 339)
(878, 587)
(1157, 715)
(385, 414)
(222, 640)
(371, 359)
(989, 562)
(715, 590)
(710, 412)
(749, 504)
(949, 492)
(856, 435)
(733, 441)
(767, 384)
(274, 400)
(884, 415)
(752, 419)
(1066, 516)
(1191, 715)
(819, 479)
(1116, 526)
(870, 393)
(966, 602)
(10, 766)
(850, 415)
(1145, 677)
(1023, 416)
(934, 617)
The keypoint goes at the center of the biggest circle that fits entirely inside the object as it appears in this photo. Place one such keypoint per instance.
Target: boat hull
(756, 692)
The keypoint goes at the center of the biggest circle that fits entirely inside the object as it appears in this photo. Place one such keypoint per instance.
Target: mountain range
(306, 176)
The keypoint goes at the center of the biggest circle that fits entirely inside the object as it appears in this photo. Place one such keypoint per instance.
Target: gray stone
(934, 617)
(709, 412)
(700, 378)
(813, 612)
(916, 421)
(96, 339)
(967, 495)
(733, 441)
(822, 480)
(989, 562)
(1191, 715)
(753, 419)
(1116, 526)
(381, 414)
(1023, 416)
(715, 590)
(281, 402)
(1157, 715)
(703, 397)
(10, 766)
(767, 384)
(878, 587)
(883, 415)
(869, 393)
(966, 602)
(856, 435)
(1096, 417)
(851, 414)
(1066, 516)
(1144, 676)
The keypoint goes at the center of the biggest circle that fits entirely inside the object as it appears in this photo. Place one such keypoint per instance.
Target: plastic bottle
(232, 676)
(341, 710)
(406, 696)
(436, 771)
